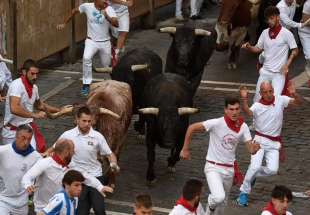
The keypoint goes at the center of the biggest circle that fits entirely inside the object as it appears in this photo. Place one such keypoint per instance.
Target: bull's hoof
(171, 169)
(151, 182)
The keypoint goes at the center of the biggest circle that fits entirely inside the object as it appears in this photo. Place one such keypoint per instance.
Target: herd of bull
(164, 101)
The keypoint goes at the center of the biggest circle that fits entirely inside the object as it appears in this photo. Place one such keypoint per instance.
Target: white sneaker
(179, 18)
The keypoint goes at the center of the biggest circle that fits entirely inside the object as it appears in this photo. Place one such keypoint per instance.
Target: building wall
(37, 36)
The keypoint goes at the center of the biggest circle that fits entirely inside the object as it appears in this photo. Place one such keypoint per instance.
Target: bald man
(44, 179)
(267, 116)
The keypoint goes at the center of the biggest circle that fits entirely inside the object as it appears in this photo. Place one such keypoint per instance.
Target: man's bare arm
(196, 127)
(18, 110)
(68, 18)
(244, 101)
(46, 107)
(253, 49)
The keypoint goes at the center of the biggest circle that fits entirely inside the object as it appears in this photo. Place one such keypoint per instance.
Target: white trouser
(270, 151)
(8, 137)
(304, 35)
(195, 7)
(91, 48)
(6, 209)
(219, 181)
(178, 8)
(277, 80)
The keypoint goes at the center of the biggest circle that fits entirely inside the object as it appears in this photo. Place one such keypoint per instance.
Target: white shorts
(123, 24)
(7, 209)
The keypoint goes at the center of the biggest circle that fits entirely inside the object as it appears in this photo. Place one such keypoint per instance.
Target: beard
(67, 159)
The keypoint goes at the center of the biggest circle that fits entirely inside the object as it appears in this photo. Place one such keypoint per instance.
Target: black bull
(168, 100)
(189, 51)
(137, 78)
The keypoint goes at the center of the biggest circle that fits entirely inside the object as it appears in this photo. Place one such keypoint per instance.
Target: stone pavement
(295, 173)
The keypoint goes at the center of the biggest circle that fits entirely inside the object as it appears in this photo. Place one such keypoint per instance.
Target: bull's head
(171, 123)
(223, 26)
(184, 43)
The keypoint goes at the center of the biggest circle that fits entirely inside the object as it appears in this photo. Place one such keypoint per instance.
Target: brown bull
(234, 19)
(116, 97)
(111, 103)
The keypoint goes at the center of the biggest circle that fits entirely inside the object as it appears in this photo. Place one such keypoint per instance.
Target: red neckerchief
(185, 204)
(273, 32)
(59, 160)
(269, 207)
(39, 138)
(234, 125)
(28, 86)
(264, 102)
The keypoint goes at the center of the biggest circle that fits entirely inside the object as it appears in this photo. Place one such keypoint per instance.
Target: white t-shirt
(13, 166)
(276, 50)
(181, 210)
(268, 213)
(48, 175)
(97, 25)
(17, 89)
(5, 76)
(58, 204)
(223, 141)
(287, 15)
(119, 8)
(268, 119)
(86, 148)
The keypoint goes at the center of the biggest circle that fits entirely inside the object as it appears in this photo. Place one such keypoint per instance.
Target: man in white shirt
(65, 201)
(47, 174)
(281, 196)
(121, 9)
(22, 99)
(15, 160)
(276, 42)
(287, 10)
(99, 18)
(268, 119)
(225, 134)
(189, 203)
(304, 36)
(88, 143)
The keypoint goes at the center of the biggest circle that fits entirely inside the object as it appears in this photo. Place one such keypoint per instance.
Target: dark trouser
(91, 198)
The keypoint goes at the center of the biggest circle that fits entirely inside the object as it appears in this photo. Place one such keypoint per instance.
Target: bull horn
(149, 110)
(66, 109)
(170, 30)
(201, 32)
(139, 67)
(104, 70)
(187, 110)
(108, 112)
